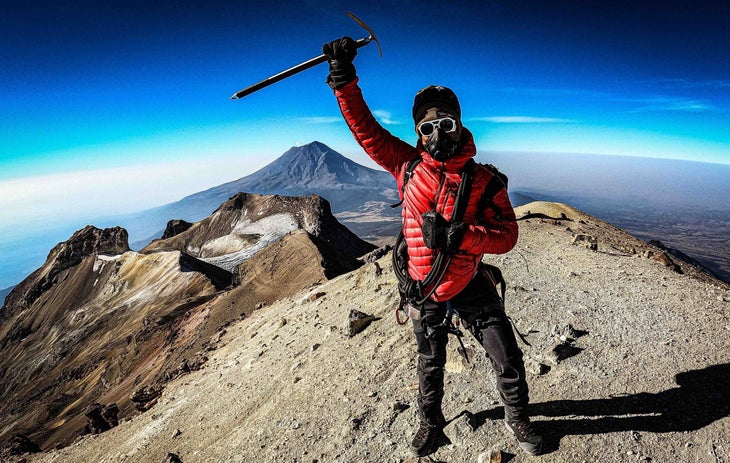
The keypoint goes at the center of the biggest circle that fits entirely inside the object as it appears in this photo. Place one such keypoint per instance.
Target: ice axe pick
(310, 63)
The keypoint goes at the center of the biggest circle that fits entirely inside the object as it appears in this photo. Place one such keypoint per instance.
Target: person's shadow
(702, 397)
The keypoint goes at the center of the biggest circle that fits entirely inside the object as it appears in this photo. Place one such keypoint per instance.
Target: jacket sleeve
(389, 151)
(495, 235)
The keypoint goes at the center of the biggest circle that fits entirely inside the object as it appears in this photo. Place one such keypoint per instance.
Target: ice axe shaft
(307, 64)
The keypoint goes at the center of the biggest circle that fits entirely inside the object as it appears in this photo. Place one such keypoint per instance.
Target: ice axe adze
(308, 64)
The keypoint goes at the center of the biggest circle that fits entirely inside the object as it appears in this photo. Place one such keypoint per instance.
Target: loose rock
(357, 322)
(561, 352)
(536, 368)
(145, 398)
(492, 456)
(400, 407)
(591, 242)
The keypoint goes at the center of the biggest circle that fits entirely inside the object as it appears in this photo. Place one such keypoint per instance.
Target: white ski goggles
(447, 124)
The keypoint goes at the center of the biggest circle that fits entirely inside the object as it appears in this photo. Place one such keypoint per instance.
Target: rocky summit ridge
(84, 243)
(95, 334)
(628, 360)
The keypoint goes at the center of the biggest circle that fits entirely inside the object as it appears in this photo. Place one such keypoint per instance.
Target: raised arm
(384, 148)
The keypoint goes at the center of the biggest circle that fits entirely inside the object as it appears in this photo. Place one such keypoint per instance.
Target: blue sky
(111, 107)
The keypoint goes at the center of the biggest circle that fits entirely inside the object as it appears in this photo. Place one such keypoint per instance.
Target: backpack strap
(407, 176)
(442, 261)
(462, 196)
(496, 183)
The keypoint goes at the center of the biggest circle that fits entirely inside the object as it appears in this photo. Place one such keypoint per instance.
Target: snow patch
(102, 259)
(274, 224)
(270, 229)
(223, 245)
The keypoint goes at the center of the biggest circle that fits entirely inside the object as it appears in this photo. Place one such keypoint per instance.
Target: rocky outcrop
(101, 418)
(663, 257)
(175, 227)
(74, 331)
(85, 242)
(221, 278)
(247, 223)
(146, 397)
(18, 445)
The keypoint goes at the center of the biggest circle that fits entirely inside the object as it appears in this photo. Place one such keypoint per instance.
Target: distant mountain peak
(312, 165)
(314, 148)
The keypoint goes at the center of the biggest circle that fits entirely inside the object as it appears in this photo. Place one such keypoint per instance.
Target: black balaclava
(441, 146)
(433, 102)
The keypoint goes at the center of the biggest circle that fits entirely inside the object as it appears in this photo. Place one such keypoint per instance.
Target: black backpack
(411, 291)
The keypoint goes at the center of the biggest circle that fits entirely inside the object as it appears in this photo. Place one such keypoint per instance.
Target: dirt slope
(642, 375)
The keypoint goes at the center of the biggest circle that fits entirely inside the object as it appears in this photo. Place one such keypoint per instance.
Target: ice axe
(310, 63)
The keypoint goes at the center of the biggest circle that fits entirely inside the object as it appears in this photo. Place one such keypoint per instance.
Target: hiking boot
(426, 440)
(529, 440)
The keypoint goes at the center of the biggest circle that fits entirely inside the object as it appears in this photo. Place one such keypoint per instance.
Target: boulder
(96, 423)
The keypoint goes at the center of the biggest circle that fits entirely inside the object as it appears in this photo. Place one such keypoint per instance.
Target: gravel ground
(629, 362)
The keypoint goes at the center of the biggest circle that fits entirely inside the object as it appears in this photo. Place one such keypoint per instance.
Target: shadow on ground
(700, 398)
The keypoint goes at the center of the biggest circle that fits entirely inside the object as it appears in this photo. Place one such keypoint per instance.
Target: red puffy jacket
(433, 186)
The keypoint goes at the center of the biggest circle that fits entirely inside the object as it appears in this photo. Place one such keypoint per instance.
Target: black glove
(454, 236)
(439, 233)
(340, 54)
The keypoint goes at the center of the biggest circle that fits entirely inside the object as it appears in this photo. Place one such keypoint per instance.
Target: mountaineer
(437, 236)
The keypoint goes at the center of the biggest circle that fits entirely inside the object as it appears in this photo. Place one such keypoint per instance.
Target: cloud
(106, 192)
(673, 104)
(382, 115)
(686, 83)
(641, 103)
(321, 119)
(523, 120)
(385, 117)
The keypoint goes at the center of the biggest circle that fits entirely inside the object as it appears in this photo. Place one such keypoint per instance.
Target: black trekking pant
(483, 314)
